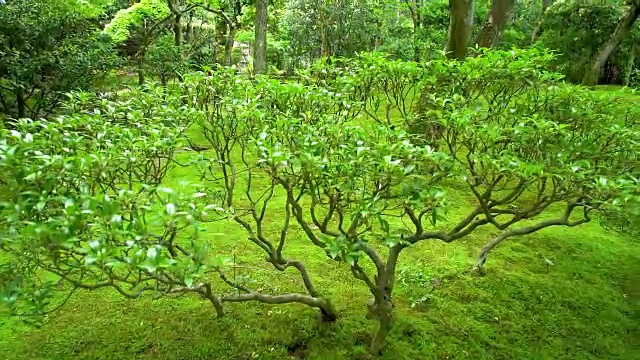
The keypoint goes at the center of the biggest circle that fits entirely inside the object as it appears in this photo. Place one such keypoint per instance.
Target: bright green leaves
(81, 197)
(340, 248)
(119, 27)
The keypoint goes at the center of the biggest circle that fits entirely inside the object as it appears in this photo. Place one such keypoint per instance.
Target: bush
(48, 48)
(532, 153)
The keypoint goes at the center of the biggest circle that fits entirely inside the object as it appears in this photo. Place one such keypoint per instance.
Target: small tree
(164, 60)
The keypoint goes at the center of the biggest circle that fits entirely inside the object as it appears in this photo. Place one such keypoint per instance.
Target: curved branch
(563, 221)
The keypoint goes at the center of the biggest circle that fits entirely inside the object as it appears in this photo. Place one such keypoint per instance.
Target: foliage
(74, 207)
(525, 19)
(48, 48)
(321, 28)
(164, 60)
(577, 31)
(119, 27)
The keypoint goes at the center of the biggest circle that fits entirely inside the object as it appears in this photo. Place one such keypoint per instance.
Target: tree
(538, 28)
(500, 14)
(105, 221)
(460, 27)
(520, 157)
(621, 31)
(260, 51)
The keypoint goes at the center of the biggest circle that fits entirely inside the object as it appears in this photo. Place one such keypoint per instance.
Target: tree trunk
(383, 312)
(177, 30)
(140, 76)
(228, 47)
(538, 29)
(460, 28)
(327, 312)
(260, 49)
(592, 75)
(21, 104)
(381, 306)
(414, 11)
(324, 42)
(492, 29)
(190, 33)
(630, 64)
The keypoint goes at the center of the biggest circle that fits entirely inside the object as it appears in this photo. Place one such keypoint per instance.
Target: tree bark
(190, 32)
(381, 306)
(623, 28)
(383, 312)
(492, 29)
(260, 49)
(140, 76)
(460, 28)
(538, 29)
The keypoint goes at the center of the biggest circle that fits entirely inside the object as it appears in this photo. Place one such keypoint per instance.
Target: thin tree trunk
(460, 28)
(177, 30)
(324, 42)
(140, 73)
(260, 50)
(592, 75)
(630, 64)
(189, 35)
(383, 312)
(492, 29)
(414, 11)
(21, 104)
(381, 306)
(538, 29)
(228, 47)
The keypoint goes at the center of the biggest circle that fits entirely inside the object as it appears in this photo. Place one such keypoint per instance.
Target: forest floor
(561, 293)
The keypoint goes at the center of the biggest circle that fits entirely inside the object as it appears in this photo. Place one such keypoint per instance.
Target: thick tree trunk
(538, 29)
(460, 28)
(492, 29)
(328, 313)
(260, 50)
(623, 28)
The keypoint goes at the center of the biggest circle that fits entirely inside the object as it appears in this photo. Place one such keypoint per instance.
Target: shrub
(532, 153)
